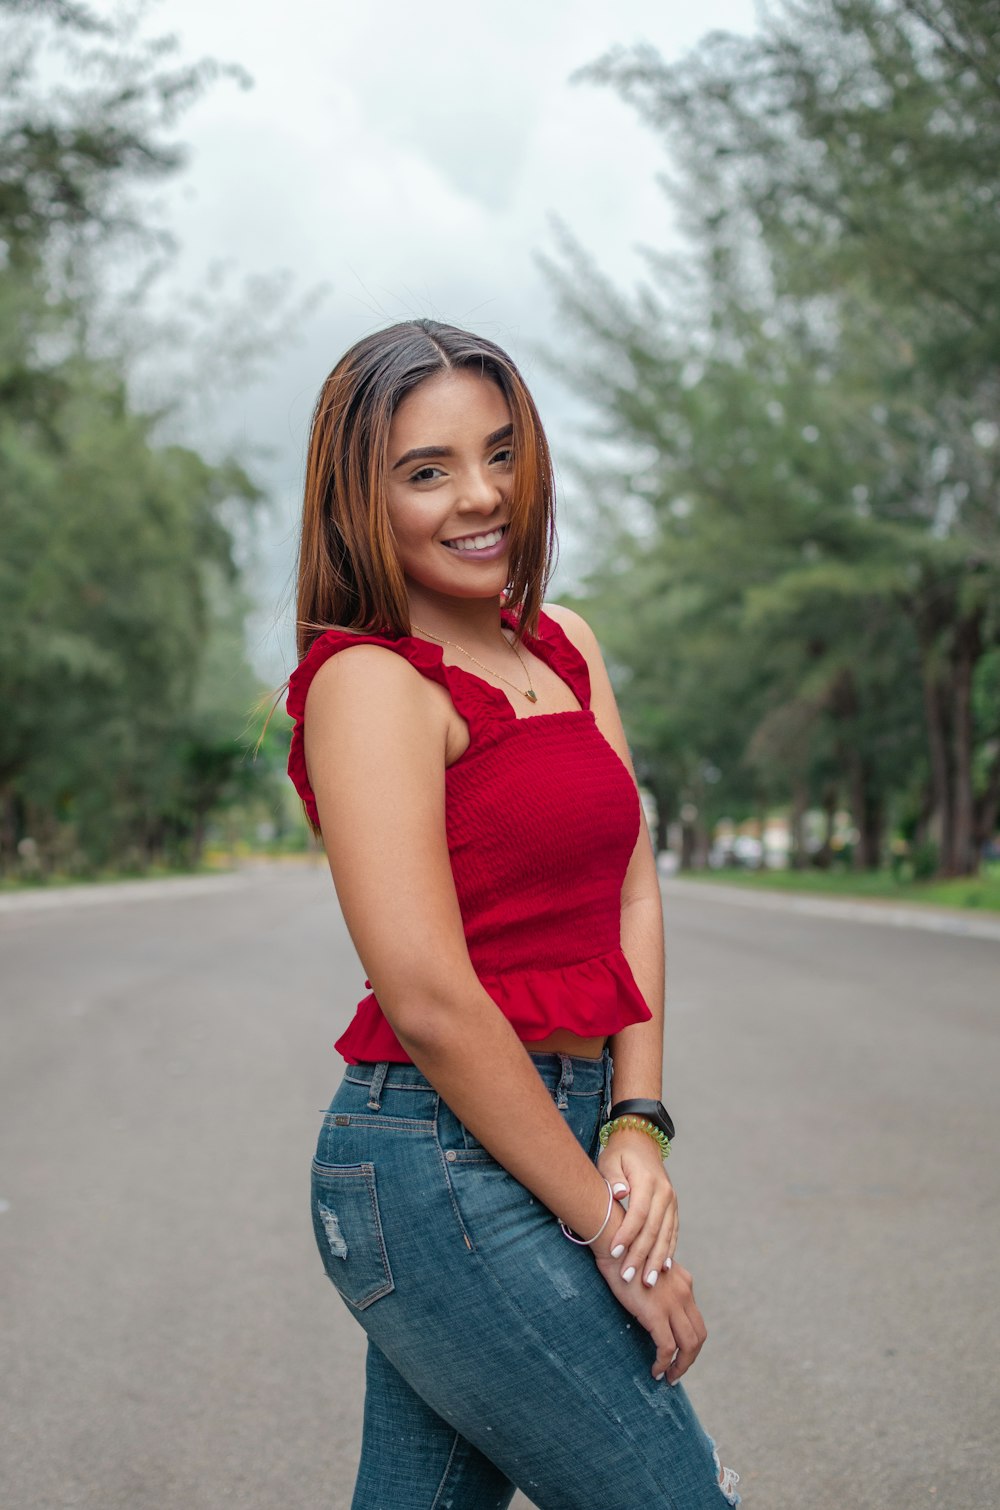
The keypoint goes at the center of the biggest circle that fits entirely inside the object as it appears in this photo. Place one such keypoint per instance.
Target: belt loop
(565, 1081)
(609, 1070)
(378, 1080)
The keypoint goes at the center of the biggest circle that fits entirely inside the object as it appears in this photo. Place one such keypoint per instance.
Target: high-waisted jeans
(497, 1355)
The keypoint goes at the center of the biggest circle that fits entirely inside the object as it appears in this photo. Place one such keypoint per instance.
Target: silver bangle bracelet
(584, 1242)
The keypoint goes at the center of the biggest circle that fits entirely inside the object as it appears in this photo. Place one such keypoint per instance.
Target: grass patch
(981, 892)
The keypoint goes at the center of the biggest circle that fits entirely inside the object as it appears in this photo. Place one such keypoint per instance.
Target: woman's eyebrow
(428, 453)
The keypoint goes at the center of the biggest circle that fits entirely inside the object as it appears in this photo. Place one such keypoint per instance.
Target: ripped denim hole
(334, 1236)
(728, 1478)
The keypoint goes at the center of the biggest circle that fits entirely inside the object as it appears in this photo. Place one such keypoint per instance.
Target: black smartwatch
(653, 1111)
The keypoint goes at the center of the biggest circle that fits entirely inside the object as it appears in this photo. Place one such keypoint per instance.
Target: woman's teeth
(476, 542)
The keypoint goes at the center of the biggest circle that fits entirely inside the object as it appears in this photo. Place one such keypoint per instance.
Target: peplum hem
(593, 998)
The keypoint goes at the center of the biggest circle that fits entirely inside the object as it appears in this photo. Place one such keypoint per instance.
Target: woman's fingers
(639, 1231)
(647, 1235)
(672, 1245)
(655, 1240)
(666, 1348)
(689, 1330)
(679, 1331)
(668, 1313)
(662, 1249)
(611, 1168)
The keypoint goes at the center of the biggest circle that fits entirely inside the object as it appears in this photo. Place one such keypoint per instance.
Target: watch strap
(653, 1111)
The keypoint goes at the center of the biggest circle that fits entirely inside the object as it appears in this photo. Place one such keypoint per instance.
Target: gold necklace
(531, 694)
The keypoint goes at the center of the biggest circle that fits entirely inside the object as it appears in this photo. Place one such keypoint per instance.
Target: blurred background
(752, 278)
(748, 259)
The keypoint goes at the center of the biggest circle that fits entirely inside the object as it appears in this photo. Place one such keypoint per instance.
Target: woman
(460, 751)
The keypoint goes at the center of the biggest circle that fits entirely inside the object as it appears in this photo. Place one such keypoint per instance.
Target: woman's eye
(425, 474)
(505, 456)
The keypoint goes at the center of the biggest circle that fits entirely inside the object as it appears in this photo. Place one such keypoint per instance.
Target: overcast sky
(410, 158)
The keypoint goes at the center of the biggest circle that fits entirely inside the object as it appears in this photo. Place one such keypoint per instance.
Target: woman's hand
(648, 1235)
(668, 1313)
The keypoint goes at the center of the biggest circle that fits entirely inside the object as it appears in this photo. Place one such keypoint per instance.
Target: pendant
(531, 696)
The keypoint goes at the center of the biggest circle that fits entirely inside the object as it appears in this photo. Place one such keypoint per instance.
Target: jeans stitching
(451, 1193)
(436, 1501)
(335, 1173)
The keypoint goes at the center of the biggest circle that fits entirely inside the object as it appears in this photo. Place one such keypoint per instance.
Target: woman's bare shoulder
(575, 627)
(365, 677)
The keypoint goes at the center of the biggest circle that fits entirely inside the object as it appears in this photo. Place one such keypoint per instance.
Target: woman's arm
(375, 750)
(633, 1157)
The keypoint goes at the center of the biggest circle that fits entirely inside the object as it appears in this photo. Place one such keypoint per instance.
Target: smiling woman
(454, 514)
(464, 762)
(348, 563)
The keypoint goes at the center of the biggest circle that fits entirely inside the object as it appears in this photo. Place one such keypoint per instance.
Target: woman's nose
(481, 492)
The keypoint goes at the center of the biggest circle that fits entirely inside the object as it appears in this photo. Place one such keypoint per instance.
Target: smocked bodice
(542, 818)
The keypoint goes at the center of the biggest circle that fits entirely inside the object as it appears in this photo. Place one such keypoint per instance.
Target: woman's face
(450, 474)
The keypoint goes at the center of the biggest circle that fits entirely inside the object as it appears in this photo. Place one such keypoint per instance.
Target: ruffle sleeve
(482, 707)
(553, 644)
(417, 652)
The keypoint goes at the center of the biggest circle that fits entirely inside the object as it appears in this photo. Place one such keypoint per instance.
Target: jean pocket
(348, 1231)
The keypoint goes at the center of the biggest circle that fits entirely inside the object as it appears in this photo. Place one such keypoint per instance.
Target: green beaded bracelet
(638, 1124)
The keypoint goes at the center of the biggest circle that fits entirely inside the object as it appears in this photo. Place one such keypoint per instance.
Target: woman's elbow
(428, 1018)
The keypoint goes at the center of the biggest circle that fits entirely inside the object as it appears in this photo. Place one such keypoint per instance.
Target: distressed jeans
(498, 1358)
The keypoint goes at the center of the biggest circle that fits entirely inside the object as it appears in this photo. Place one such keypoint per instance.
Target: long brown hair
(348, 572)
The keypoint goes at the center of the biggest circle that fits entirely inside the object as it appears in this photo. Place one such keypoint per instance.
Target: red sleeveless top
(542, 818)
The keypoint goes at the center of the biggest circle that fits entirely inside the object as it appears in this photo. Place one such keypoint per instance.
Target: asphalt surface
(171, 1342)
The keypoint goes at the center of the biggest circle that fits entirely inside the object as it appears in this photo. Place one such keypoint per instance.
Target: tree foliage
(119, 583)
(812, 394)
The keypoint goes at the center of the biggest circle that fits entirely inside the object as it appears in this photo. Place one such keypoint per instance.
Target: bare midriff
(562, 1041)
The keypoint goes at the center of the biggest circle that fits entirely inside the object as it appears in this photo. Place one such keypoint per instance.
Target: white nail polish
(652, 1276)
(617, 1251)
(619, 1190)
(629, 1274)
(657, 1377)
(668, 1263)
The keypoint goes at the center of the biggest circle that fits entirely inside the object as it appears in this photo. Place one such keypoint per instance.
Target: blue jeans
(497, 1355)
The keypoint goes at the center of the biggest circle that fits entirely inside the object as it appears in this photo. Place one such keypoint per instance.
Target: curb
(959, 923)
(163, 889)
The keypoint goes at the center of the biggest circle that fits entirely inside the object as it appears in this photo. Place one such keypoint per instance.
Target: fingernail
(668, 1263)
(619, 1189)
(629, 1274)
(618, 1250)
(674, 1383)
(652, 1276)
(657, 1377)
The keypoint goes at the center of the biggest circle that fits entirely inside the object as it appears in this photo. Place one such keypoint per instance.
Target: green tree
(118, 577)
(820, 393)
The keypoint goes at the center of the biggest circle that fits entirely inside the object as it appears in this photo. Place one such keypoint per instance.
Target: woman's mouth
(484, 546)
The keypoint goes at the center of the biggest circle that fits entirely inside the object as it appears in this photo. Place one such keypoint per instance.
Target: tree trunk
(797, 824)
(661, 797)
(987, 808)
(871, 825)
(940, 826)
(8, 832)
(823, 858)
(963, 858)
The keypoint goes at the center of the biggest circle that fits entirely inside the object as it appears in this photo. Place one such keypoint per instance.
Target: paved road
(172, 1344)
